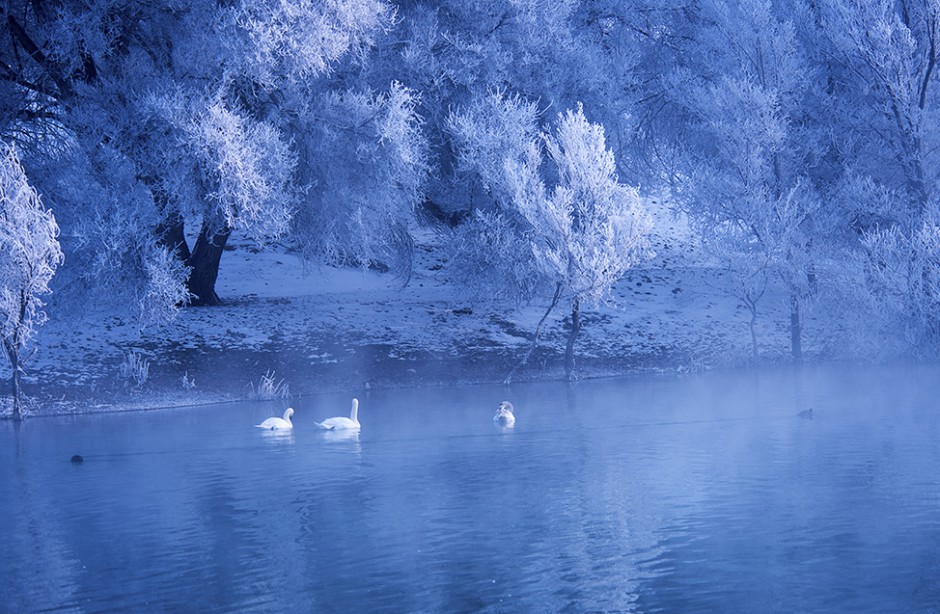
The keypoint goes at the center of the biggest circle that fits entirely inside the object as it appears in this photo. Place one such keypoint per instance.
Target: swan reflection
(279, 436)
(341, 435)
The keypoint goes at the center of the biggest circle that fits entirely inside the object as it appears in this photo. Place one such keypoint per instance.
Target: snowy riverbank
(332, 329)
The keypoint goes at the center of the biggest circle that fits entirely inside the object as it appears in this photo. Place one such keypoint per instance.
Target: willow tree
(171, 115)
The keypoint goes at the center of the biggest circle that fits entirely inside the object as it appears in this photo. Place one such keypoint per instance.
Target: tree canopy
(798, 136)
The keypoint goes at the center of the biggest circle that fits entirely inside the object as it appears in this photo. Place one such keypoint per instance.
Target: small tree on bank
(563, 222)
(589, 228)
(29, 255)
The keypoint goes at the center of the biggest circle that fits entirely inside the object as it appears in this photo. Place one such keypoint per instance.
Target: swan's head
(288, 413)
(505, 406)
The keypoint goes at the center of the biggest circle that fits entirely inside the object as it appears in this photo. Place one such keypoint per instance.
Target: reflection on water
(276, 436)
(341, 435)
(699, 494)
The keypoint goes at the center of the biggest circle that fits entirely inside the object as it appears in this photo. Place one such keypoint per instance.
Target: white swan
(504, 415)
(276, 423)
(341, 422)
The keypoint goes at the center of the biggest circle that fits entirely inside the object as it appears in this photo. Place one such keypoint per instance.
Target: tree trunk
(13, 356)
(752, 307)
(572, 337)
(12, 348)
(796, 330)
(15, 384)
(755, 354)
(204, 262)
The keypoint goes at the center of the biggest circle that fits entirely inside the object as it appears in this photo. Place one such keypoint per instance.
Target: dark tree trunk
(572, 337)
(796, 330)
(204, 262)
(15, 384)
(13, 356)
(12, 348)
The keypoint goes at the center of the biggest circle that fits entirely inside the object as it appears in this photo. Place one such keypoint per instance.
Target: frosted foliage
(734, 248)
(746, 184)
(491, 131)
(171, 170)
(114, 251)
(399, 131)
(864, 203)
(748, 117)
(536, 14)
(29, 254)
(579, 233)
(164, 288)
(247, 168)
(365, 158)
(492, 259)
(298, 40)
(98, 25)
(876, 32)
(890, 54)
(904, 282)
(589, 228)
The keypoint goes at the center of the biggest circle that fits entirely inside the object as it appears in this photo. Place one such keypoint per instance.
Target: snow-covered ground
(330, 329)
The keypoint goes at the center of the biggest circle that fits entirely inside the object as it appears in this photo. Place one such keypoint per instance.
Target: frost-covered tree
(364, 158)
(589, 228)
(884, 56)
(488, 252)
(454, 53)
(890, 291)
(194, 102)
(903, 270)
(238, 174)
(29, 256)
(278, 52)
(70, 164)
(884, 99)
(747, 183)
(558, 202)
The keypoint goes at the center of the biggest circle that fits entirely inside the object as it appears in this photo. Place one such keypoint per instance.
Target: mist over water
(706, 493)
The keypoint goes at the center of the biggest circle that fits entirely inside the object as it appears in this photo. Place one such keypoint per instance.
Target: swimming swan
(504, 415)
(340, 423)
(275, 423)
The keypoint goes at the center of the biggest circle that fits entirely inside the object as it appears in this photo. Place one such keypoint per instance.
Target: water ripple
(704, 494)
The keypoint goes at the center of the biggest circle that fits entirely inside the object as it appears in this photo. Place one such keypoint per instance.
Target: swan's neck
(354, 414)
(287, 414)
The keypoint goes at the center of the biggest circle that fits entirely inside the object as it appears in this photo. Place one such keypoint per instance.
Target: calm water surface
(698, 494)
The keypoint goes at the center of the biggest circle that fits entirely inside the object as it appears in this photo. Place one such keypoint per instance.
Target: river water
(705, 493)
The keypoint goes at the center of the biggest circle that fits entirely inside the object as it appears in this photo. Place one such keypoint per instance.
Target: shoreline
(339, 329)
(350, 376)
